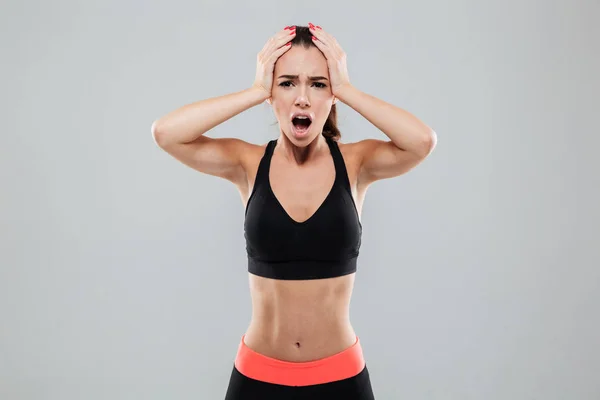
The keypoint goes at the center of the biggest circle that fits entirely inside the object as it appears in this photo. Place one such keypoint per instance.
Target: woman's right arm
(181, 133)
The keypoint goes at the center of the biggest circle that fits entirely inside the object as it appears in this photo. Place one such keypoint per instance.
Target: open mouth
(301, 124)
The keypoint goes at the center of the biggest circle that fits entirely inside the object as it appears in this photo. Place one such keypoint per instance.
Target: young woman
(303, 193)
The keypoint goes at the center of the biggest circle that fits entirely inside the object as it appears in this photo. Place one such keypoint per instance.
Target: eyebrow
(311, 78)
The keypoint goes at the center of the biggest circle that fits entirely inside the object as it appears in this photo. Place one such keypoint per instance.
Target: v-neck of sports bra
(323, 202)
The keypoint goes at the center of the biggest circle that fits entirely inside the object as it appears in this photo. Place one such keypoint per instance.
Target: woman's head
(301, 95)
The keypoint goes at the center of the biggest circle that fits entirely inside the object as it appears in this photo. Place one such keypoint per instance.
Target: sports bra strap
(341, 173)
(265, 162)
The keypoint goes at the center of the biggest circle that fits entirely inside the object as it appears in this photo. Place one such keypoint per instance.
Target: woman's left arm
(411, 140)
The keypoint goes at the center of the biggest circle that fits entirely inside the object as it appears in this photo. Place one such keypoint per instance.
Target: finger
(329, 41)
(323, 36)
(279, 36)
(317, 29)
(326, 50)
(312, 26)
(286, 35)
(287, 31)
(284, 46)
(318, 32)
(275, 42)
(278, 52)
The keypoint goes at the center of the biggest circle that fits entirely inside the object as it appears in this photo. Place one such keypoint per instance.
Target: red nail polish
(287, 27)
(318, 27)
(288, 44)
(314, 38)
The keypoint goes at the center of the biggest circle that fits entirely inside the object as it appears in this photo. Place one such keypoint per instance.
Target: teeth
(301, 117)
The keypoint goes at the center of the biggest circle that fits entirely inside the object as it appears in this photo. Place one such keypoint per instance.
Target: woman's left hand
(336, 58)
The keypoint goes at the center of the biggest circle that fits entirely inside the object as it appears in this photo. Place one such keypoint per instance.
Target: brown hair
(304, 38)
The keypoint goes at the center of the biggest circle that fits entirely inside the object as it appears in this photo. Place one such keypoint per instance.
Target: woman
(303, 194)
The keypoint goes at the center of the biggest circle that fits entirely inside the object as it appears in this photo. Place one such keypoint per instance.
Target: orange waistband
(343, 365)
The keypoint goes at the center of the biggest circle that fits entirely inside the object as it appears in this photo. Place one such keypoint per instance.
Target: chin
(302, 140)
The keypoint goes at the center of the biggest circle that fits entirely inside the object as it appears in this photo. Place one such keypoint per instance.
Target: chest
(301, 191)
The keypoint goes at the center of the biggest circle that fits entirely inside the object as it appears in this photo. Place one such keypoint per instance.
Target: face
(301, 95)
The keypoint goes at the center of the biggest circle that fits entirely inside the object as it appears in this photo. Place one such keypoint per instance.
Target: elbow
(431, 141)
(428, 143)
(158, 133)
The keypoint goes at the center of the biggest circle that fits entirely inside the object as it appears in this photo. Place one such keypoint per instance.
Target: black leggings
(357, 387)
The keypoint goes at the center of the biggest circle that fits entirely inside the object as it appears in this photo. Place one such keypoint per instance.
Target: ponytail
(330, 129)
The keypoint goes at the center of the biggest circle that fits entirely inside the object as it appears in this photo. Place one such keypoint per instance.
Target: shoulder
(352, 156)
(361, 146)
(250, 155)
(353, 152)
(249, 151)
(374, 159)
(381, 159)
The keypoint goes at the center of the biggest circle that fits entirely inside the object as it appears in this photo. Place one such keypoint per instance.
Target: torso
(301, 320)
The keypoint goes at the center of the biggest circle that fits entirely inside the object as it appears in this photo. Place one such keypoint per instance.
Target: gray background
(123, 272)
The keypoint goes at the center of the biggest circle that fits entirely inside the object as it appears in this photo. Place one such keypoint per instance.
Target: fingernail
(318, 27)
(310, 25)
(314, 38)
(288, 44)
(287, 27)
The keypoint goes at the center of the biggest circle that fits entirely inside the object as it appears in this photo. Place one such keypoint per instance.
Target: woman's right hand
(265, 60)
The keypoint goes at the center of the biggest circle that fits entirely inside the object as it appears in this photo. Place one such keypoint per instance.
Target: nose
(302, 101)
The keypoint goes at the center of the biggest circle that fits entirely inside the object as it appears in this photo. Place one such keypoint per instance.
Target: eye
(320, 85)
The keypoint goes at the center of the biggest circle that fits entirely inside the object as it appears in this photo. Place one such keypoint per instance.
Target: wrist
(260, 93)
(343, 91)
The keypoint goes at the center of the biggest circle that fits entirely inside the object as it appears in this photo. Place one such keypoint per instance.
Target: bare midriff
(300, 321)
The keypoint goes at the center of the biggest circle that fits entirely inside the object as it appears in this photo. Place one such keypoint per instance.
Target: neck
(301, 155)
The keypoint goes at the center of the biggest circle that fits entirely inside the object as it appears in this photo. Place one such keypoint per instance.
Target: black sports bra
(324, 246)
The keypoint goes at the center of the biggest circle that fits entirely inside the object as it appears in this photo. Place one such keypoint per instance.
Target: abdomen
(300, 320)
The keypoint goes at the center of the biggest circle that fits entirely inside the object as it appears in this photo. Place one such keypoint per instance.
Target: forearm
(189, 122)
(405, 130)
